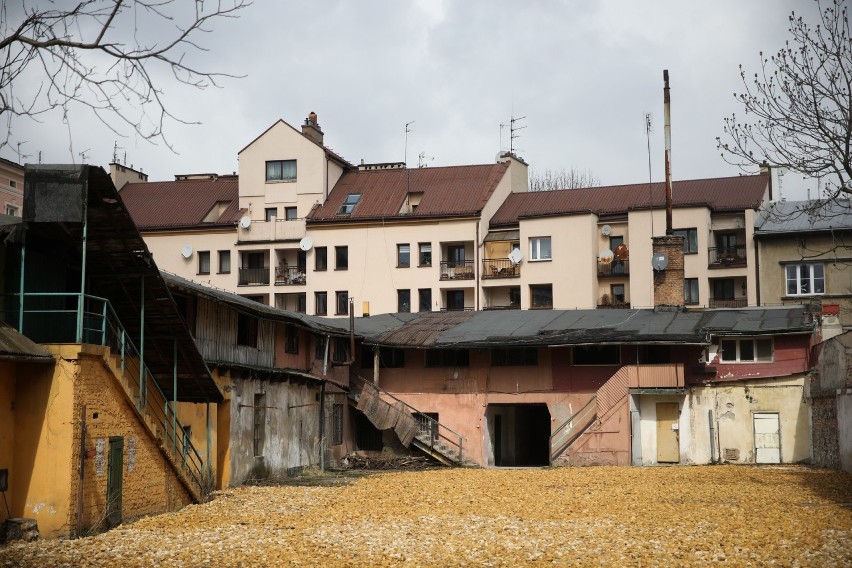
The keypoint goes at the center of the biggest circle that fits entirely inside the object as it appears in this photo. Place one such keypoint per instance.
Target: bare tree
(563, 179)
(797, 106)
(104, 55)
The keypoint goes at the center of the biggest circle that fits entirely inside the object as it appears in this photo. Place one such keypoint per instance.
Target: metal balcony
(614, 268)
(457, 270)
(499, 268)
(290, 275)
(725, 257)
(254, 277)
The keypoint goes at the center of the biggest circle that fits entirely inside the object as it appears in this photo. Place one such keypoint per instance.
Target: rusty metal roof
(182, 204)
(16, 347)
(719, 194)
(446, 191)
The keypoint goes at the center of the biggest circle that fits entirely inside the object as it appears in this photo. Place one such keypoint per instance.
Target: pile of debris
(387, 462)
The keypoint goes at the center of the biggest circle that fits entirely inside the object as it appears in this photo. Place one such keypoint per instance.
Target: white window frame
(738, 341)
(535, 249)
(811, 280)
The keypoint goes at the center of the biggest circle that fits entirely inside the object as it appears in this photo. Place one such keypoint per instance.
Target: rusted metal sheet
(612, 392)
(656, 376)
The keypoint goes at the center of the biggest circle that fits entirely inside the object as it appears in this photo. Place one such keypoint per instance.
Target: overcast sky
(582, 73)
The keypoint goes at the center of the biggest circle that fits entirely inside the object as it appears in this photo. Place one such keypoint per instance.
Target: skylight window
(349, 203)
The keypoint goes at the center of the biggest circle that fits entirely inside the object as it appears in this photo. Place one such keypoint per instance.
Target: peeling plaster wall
(844, 421)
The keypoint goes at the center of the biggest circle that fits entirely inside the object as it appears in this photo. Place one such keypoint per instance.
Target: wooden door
(115, 474)
(668, 438)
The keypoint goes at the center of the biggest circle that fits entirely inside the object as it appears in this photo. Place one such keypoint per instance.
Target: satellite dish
(245, 222)
(186, 251)
(306, 243)
(606, 230)
(660, 261)
(605, 256)
(621, 252)
(515, 256)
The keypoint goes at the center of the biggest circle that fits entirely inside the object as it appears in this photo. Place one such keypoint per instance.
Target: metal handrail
(101, 325)
(430, 423)
(569, 424)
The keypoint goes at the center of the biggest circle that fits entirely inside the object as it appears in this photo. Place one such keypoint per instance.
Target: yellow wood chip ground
(603, 516)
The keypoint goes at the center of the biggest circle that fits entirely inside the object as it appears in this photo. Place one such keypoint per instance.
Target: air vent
(732, 454)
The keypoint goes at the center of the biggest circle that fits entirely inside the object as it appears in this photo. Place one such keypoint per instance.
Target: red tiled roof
(181, 204)
(719, 194)
(447, 191)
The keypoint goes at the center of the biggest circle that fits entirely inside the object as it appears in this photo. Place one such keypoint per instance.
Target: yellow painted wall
(7, 422)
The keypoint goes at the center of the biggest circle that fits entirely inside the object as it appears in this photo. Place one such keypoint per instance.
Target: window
(259, 423)
(723, 289)
(204, 262)
(342, 303)
(526, 356)
(321, 259)
(290, 213)
(690, 290)
(425, 257)
(747, 350)
(246, 330)
(291, 339)
(224, 262)
(403, 256)
(13, 184)
(617, 292)
(281, 170)
(403, 300)
(336, 424)
(341, 350)
(425, 295)
(321, 303)
(540, 248)
(319, 347)
(690, 240)
(541, 296)
(341, 258)
(349, 204)
(447, 358)
(455, 299)
(11, 210)
(389, 358)
(302, 303)
(805, 279)
(597, 355)
(270, 213)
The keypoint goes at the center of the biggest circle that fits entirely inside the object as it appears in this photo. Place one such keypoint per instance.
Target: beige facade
(216, 245)
(11, 188)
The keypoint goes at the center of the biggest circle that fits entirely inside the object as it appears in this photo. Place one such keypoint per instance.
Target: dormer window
(216, 211)
(349, 204)
(281, 170)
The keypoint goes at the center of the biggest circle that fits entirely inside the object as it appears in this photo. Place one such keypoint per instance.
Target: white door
(767, 438)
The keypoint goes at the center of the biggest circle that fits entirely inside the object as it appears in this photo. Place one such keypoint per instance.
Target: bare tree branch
(103, 55)
(570, 179)
(798, 106)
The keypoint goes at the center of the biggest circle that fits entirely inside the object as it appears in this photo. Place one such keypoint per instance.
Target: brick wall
(150, 485)
(668, 283)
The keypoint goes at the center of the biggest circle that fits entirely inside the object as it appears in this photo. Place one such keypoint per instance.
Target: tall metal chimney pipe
(668, 131)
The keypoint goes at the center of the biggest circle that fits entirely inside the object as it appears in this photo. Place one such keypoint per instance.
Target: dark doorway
(115, 471)
(367, 437)
(520, 434)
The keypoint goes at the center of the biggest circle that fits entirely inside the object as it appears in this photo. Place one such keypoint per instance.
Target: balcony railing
(464, 309)
(290, 275)
(499, 268)
(723, 257)
(614, 306)
(457, 270)
(614, 268)
(253, 276)
(729, 303)
(508, 307)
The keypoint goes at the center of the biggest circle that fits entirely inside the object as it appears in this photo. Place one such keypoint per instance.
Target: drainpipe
(21, 285)
(476, 268)
(712, 436)
(757, 269)
(668, 132)
(80, 300)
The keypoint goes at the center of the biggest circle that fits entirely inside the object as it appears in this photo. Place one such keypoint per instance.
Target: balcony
(614, 268)
(614, 306)
(728, 303)
(253, 277)
(290, 275)
(725, 257)
(457, 270)
(268, 231)
(493, 268)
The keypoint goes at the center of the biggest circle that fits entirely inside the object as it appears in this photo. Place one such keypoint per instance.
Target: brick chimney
(668, 282)
(311, 128)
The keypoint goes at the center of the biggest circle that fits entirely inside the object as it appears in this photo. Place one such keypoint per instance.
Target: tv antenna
(83, 155)
(422, 159)
(19, 152)
(512, 132)
(407, 130)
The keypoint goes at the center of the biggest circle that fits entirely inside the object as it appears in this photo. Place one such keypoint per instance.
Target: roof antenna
(512, 130)
(649, 128)
(407, 130)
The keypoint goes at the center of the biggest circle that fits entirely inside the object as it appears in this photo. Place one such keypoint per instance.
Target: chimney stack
(311, 128)
(668, 282)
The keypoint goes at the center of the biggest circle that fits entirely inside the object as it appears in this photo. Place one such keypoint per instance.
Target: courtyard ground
(596, 516)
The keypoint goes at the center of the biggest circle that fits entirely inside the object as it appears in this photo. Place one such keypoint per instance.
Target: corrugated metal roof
(783, 217)
(576, 327)
(447, 191)
(15, 346)
(181, 204)
(493, 236)
(719, 194)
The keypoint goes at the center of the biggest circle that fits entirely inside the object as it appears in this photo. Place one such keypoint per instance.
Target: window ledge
(281, 180)
(540, 260)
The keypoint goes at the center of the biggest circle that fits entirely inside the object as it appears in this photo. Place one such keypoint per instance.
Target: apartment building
(11, 187)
